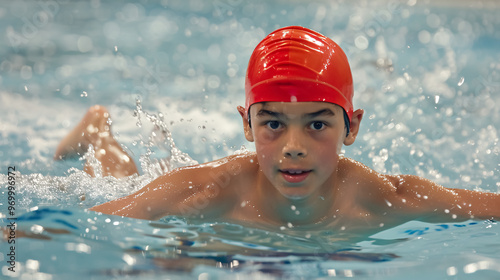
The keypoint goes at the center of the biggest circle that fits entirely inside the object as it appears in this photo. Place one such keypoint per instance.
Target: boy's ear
(357, 116)
(246, 124)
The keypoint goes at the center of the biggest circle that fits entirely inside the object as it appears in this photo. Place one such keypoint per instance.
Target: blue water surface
(426, 74)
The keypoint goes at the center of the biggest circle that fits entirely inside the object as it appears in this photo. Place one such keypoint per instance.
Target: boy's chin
(295, 196)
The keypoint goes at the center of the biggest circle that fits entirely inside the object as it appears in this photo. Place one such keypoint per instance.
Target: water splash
(92, 162)
(79, 188)
(162, 155)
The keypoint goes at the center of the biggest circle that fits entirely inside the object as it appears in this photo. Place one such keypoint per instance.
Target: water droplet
(451, 271)
(37, 229)
(361, 42)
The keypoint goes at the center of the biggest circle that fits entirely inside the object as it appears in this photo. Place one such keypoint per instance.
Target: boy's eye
(317, 125)
(273, 124)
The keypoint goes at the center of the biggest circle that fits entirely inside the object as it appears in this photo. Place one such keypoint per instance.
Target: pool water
(172, 73)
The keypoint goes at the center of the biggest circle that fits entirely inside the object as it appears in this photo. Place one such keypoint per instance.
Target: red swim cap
(296, 64)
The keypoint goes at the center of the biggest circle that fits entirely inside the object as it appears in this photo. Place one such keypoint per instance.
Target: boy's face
(297, 144)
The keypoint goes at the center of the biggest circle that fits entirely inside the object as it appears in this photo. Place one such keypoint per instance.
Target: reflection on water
(59, 242)
(174, 70)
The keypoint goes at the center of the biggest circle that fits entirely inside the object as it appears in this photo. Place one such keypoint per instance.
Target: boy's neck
(308, 211)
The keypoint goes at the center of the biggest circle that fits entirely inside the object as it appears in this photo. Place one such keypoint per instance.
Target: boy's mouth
(294, 175)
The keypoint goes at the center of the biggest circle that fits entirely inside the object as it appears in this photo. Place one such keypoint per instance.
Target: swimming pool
(426, 75)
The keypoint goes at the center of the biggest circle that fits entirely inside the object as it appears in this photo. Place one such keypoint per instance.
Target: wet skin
(298, 179)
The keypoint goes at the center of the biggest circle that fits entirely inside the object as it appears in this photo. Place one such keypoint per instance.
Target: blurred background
(426, 73)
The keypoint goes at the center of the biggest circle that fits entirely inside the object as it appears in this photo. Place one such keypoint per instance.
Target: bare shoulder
(206, 189)
(356, 173)
(380, 195)
(216, 179)
(388, 186)
(408, 197)
(230, 168)
(373, 191)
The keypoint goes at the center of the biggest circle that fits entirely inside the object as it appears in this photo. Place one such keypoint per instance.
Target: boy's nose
(294, 154)
(294, 147)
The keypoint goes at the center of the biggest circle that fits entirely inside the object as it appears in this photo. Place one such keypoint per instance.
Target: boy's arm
(193, 191)
(431, 202)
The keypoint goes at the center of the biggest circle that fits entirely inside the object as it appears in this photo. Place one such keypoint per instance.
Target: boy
(299, 113)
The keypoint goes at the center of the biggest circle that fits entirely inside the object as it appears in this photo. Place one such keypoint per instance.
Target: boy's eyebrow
(263, 112)
(324, 112)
